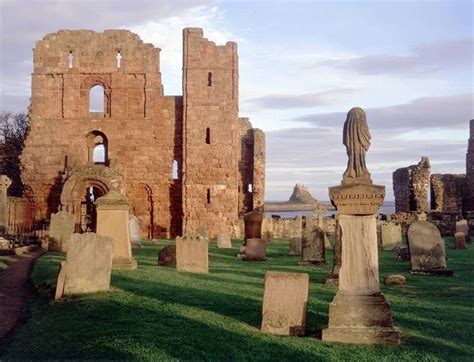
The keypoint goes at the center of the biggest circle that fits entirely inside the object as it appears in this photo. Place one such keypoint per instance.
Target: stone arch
(88, 83)
(96, 138)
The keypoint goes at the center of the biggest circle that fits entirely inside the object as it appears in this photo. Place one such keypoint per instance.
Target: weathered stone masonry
(142, 132)
(469, 204)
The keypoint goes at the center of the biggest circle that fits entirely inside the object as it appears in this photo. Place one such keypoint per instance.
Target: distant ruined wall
(469, 199)
(258, 168)
(447, 192)
(411, 186)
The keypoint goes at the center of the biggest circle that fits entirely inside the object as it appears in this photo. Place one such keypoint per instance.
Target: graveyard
(156, 313)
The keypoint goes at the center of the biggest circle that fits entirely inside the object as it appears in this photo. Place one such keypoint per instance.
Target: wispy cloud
(425, 59)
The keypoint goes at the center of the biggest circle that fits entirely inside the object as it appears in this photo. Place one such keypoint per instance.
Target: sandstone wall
(410, 187)
(447, 192)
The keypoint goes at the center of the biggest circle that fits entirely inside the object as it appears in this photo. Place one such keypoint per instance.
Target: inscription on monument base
(359, 199)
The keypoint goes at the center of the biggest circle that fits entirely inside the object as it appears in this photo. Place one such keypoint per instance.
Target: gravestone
(255, 250)
(223, 241)
(253, 225)
(267, 228)
(427, 249)
(313, 251)
(167, 256)
(462, 226)
(359, 313)
(395, 279)
(333, 277)
(202, 232)
(192, 254)
(135, 238)
(391, 236)
(113, 221)
(459, 240)
(61, 228)
(284, 303)
(295, 246)
(88, 265)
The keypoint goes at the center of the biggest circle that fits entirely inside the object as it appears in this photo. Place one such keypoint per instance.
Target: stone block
(313, 248)
(135, 238)
(192, 254)
(284, 303)
(88, 264)
(255, 250)
(391, 236)
(395, 279)
(61, 228)
(295, 246)
(167, 256)
(427, 249)
(223, 241)
(459, 240)
(463, 227)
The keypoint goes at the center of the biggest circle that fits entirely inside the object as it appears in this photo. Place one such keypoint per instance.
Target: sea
(387, 208)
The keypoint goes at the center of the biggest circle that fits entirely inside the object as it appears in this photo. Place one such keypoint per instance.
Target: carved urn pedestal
(359, 312)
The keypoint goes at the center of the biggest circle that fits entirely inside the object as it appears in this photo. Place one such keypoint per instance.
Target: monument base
(361, 319)
(124, 263)
(437, 271)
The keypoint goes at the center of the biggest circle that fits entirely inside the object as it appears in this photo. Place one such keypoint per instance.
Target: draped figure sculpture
(356, 138)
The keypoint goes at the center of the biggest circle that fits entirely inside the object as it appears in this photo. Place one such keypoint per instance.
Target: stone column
(359, 312)
(113, 221)
(5, 182)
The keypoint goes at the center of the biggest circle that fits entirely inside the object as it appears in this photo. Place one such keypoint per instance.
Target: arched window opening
(208, 135)
(174, 170)
(96, 99)
(118, 57)
(97, 145)
(209, 79)
(208, 196)
(70, 58)
(250, 188)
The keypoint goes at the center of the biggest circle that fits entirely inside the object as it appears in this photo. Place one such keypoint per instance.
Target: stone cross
(5, 183)
(359, 312)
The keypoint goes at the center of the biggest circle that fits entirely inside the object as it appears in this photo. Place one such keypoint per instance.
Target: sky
(303, 65)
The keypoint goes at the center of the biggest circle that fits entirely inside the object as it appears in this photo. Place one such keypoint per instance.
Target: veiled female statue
(356, 138)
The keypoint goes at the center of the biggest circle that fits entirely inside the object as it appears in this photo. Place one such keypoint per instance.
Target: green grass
(155, 313)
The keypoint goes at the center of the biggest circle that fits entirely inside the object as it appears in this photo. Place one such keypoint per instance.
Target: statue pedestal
(359, 313)
(113, 221)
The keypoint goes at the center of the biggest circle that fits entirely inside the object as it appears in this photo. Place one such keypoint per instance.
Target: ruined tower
(469, 203)
(175, 158)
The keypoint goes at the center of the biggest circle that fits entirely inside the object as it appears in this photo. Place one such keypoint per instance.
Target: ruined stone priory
(182, 162)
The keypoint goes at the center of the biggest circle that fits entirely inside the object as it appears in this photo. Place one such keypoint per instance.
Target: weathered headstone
(267, 228)
(167, 256)
(391, 236)
(88, 265)
(284, 303)
(462, 226)
(359, 313)
(223, 241)
(395, 279)
(5, 183)
(333, 277)
(295, 246)
(255, 250)
(135, 238)
(61, 228)
(253, 225)
(459, 240)
(427, 249)
(192, 254)
(113, 221)
(313, 251)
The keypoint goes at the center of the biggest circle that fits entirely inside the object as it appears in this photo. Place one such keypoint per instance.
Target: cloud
(315, 156)
(424, 60)
(307, 100)
(422, 113)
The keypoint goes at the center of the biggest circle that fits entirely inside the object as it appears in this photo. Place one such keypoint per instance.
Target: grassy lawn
(155, 313)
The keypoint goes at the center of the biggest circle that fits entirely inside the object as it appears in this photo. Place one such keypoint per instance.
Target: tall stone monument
(5, 182)
(113, 221)
(359, 312)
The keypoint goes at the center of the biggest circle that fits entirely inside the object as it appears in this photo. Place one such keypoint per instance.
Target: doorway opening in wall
(88, 208)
